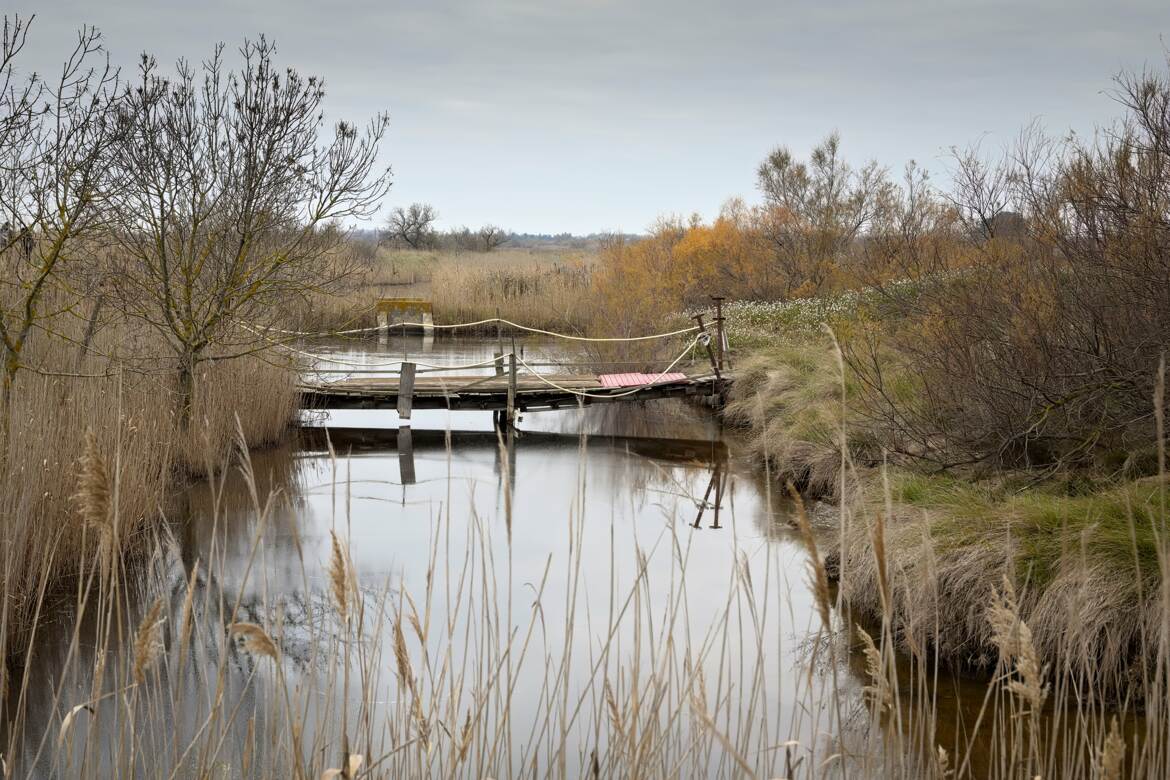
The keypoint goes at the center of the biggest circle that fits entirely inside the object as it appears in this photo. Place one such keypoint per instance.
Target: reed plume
(339, 579)
(879, 689)
(185, 622)
(1112, 759)
(615, 713)
(255, 640)
(148, 643)
(93, 487)
(402, 657)
(1013, 638)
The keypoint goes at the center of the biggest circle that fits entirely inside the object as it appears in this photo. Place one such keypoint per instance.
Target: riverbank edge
(1085, 567)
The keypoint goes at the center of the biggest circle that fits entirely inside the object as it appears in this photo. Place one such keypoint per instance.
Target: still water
(600, 573)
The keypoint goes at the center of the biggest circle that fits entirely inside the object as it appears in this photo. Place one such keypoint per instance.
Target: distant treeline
(413, 227)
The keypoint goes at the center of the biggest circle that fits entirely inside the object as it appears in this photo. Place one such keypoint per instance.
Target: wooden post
(405, 456)
(406, 390)
(511, 389)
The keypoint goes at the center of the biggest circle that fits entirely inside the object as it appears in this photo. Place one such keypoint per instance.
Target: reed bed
(108, 404)
(540, 288)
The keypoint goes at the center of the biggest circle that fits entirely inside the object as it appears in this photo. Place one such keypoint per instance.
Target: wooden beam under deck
(490, 392)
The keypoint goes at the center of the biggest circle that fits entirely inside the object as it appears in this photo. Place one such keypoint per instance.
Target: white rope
(585, 394)
(355, 364)
(399, 362)
(554, 334)
(580, 393)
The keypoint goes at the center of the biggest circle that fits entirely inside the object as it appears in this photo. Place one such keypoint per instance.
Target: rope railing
(477, 323)
(372, 368)
(631, 391)
(352, 367)
(384, 367)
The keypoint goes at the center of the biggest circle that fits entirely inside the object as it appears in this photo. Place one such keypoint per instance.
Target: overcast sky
(554, 115)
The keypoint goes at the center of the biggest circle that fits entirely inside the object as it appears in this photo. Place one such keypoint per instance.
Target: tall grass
(72, 407)
(539, 288)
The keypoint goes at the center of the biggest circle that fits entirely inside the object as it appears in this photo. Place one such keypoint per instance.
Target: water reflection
(614, 534)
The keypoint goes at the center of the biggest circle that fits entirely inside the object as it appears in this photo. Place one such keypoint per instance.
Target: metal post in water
(703, 503)
(718, 477)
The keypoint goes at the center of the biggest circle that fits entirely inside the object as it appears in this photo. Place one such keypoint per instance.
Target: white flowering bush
(749, 322)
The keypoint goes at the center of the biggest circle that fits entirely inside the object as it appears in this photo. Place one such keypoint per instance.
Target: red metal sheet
(638, 380)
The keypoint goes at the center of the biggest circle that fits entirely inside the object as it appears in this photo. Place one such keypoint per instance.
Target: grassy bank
(1081, 548)
(1087, 570)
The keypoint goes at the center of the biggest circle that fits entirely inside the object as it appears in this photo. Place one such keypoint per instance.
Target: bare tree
(413, 226)
(817, 209)
(981, 190)
(55, 138)
(226, 197)
(491, 237)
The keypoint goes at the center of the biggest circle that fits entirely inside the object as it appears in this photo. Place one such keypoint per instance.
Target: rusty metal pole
(512, 388)
(499, 353)
(718, 477)
(707, 343)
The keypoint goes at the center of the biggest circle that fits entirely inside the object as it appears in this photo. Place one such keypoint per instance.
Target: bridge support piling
(406, 391)
(512, 389)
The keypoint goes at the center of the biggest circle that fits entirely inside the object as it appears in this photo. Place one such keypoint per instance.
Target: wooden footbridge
(407, 390)
(515, 386)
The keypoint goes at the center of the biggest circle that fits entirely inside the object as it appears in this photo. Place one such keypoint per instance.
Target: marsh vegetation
(943, 543)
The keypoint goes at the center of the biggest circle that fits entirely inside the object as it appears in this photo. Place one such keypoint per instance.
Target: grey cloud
(583, 116)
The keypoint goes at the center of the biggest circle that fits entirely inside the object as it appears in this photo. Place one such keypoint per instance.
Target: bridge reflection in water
(695, 453)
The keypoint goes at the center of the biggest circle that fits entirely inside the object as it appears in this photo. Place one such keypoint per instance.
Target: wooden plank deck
(445, 391)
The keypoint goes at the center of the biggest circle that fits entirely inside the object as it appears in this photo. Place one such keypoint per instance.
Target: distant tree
(413, 226)
(55, 136)
(459, 239)
(225, 200)
(491, 237)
